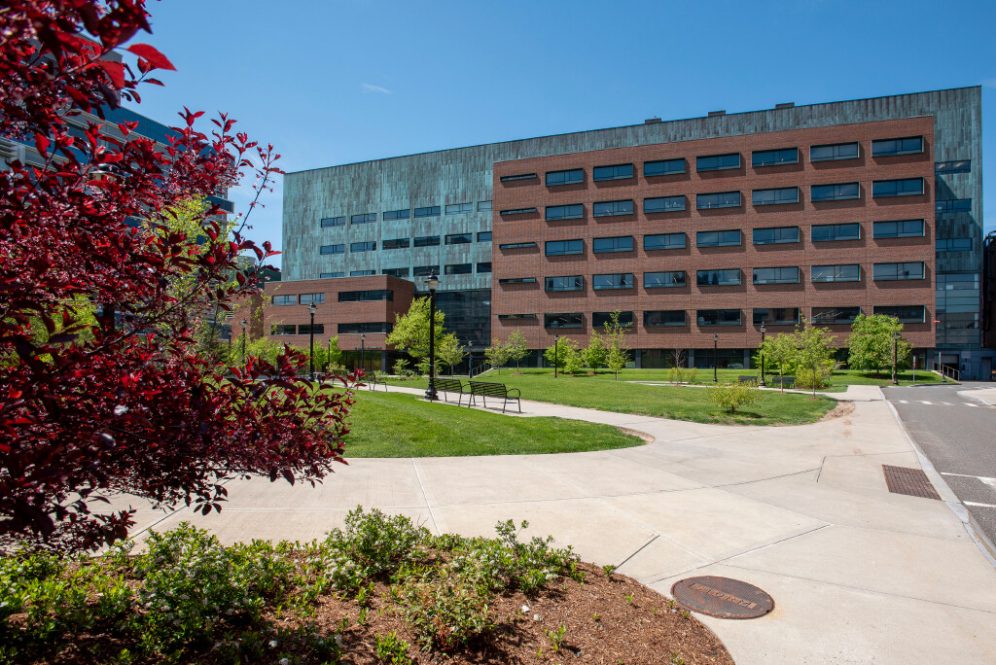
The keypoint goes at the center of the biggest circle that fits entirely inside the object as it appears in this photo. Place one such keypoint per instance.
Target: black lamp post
(762, 384)
(715, 358)
(311, 341)
(432, 282)
(895, 358)
(363, 352)
(556, 354)
(244, 324)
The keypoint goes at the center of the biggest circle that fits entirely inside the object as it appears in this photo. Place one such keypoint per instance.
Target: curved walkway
(858, 574)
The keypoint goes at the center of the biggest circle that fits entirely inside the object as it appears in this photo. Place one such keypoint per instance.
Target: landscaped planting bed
(381, 590)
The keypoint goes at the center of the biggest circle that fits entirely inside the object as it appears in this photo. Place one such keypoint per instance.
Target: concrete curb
(972, 528)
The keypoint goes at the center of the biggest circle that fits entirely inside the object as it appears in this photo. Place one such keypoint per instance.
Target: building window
(519, 177)
(601, 319)
(848, 272)
(516, 245)
(459, 238)
(777, 196)
(956, 166)
(483, 206)
(392, 215)
(516, 317)
(333, 221)
(760, 158)
(954, 245)
(395, 272)
(563, 247)
(364, 218)
(664, 204)
(664, 167)
(427, 211)
(668, 279)
(719, 317)
(718, 200)
(613, 208)
(484, 236)
(458, 269)
(484, 266)
(905, 313)
(664, 241)
(362, 273)
(953, 205)
(426, 241)
(284, 300)
(844, 191)
(902, 187)
(517, 280)
(308, 329)
(722, 277)
(613, 172)
(512, 212)
(357, 328)
(311, 298)
(778, 316)
(783, 275)
(613, 244)
(833, 152)
(366, 246)
(902, 228)
(459, 208)
(664, 318)
(397, 243)
(835, 316)
(569, 177)
(718, 162)
(619, 280)
(330, 275)
(910, 145)
(776, 235)
(425, 271)
(557, 213)
(731, 238)
(836, 232)
(283, 329)
(564, 283)
(566, 320)
(891, 272)
(332, 249)
(368, 294)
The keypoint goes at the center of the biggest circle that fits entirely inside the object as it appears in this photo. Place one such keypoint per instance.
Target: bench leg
(504, 406)
(519, 402)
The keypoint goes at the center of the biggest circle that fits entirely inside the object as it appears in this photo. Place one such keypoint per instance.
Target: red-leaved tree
(124, 401)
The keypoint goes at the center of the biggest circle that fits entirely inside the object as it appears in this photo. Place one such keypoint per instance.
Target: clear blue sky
(336, 81)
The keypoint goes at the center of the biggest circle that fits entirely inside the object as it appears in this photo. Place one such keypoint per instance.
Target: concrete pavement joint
(638, 550)
(425, 497)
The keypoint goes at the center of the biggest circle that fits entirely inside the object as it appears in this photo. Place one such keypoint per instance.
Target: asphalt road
(958, 435)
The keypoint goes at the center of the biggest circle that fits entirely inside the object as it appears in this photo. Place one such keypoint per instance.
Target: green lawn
(400, 425)
(677, 402)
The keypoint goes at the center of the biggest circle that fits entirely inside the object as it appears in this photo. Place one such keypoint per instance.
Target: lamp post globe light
(432, 283)
(715, 358)
(762, 384)
(311, 341)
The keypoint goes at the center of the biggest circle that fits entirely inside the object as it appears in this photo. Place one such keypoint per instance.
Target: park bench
(372, 380)
(782, 382)
(486, 389)
(747, 379)
(454, 386)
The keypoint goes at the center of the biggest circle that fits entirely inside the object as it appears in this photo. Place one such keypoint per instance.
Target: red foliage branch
(126, 404)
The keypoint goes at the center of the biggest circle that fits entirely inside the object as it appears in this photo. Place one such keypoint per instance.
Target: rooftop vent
(652, 121)
(715, 114)
(784, 105)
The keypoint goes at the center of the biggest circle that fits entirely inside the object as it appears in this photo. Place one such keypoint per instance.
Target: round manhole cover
(722, 597)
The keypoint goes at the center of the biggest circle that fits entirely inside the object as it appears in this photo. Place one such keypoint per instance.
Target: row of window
(406, 213)
(716, 200)
(665, 318)
(319, 328)
(732, 161)
(404, 243)
(299, 299)
(850, 272)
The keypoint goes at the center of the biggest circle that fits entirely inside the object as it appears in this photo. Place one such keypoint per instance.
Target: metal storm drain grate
(912, 482)
(722, 597)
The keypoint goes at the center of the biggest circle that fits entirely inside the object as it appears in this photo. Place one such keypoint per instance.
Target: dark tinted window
(569, 177)
(779, 316)
(484, 266)
(564, 283)
(517, 317)
(664, 204)
(600, 319)
(903, 228)
(663, 318)
(483, 206)
(333, 221)
(660, 241)
(834, 151)
(848, 272)
(332, 249)
(619, 280)
(719, 317)
(369, 294)
(511, 212)
(718, 200)
(613, 208)
(395, 272)
(905, 313)
(396, 243)
(718, 162)
(831, 232)
(664, 167)
(361, 273)
(458, 269)
(905, 146)
(284, 300)
(484, 236)
(374, 327)
(425, 271)
(327, 275)
(835, 315)
(564, 247)
(898, 271)
(459, 208)
(779, 196)
(390, 215)
(903, 187)
(783, 275)
(723, 277)
(519, 177)
(573, 211)
(459, 238)
(776, 235)
(614, 172)
(838, 192)
(367, 246)
(956, 166)
(517, 280)
(953, 205)
(954, 245)
(567, 320)
(516, 245)
(311, 298)
(774, 157)
(364, 218)
(427, 211)
(613, 244)
(426, 241)
(667, 279)
(283, 329)
(732, 238)
(307, 329)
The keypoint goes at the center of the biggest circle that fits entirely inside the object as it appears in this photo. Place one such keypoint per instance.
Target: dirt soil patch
(842, 409)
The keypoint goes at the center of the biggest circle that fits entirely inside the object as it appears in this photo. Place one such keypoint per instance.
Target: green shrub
(814, 378)
(733, 396)
(446, 612)
(391, 650)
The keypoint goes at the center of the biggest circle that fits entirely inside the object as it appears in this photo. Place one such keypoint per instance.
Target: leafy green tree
(814, 357)
(618, 352)
(732, 396)
(559, 352)
(497, 354)
(780, 351)
(517, 346)
(871, 345)
(450, 352)
(411, 332)
(574, 360)
(596, 353)
(334, 354)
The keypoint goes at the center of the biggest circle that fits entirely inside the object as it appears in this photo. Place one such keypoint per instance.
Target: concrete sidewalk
(858, 574)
